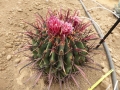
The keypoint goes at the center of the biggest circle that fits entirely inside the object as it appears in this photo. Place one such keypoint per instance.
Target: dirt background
(12, 14)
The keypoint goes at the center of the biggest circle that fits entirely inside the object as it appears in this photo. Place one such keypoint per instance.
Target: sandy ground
(110, 3)
(11, 15)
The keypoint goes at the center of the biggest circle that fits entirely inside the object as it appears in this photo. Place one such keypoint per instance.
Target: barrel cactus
(59, 45)
(117, 9)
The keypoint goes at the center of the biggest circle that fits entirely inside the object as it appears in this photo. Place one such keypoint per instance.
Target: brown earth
(12, 14)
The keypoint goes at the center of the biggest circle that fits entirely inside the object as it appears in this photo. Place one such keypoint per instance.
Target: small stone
(91, 11)
(103, 64)
(10, 22)
(17, 61)
(11, 80)
(115, 60)
(37, 3)
(1, 34)
(117, 64)
(2, 69)
(30, 9)
(118, 71)
(25, 2)
(8, 45)
(19, 10)
(113, 40)
(116, 34)
(105, 70)
(0, 55)
(22, 25)
(19, 2)
(110, 49)
(104, 84)
(21, 19)
(98, 17)
(3, 53)
(17, 43)
(9, 57)
(5, 77)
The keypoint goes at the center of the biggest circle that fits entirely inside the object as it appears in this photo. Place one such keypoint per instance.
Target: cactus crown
(59, 45)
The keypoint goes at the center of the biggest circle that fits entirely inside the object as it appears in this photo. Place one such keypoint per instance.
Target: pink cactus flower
(76, 21)
(54, 25)
(66, 28)
(58, 27)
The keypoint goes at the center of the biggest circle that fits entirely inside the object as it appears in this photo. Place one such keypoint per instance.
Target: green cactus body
(62, 61)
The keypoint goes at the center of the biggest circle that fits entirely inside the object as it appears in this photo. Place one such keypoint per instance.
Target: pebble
(91, 11)
(30, 9)
(3, 53)
(105, 84)
(8, 45)
(115, 60)
(22, 25)
(2, 69)
(17, 43)
(118, 71)
(116, 34)
(7, 34)
(19, 2)
(10, 22)
(37, 3)
(113, 40)
(17, 60)
(110, 49)
(98, 17)
(118, 28)
(1, 34)
(17, 40)
(19, 10)
(25, 2)
(105, 70)
(0, 55)
(117, 64)
(5, 77)
(103, 64)
(11, 80)
(9, 57)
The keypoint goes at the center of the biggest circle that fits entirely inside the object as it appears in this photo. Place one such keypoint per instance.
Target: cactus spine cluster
(59, 45)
